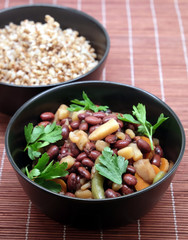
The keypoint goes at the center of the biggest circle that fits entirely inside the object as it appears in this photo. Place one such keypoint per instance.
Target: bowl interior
(118, 97)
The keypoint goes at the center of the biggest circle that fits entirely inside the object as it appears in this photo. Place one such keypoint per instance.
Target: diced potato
(130, 132)
(149, 155)
(86, 185)
(126, 152)
(83, 194)
(79, 137)
(75, 115)
(100, 145)
(69, 159)
(145, 170)
(120, 135)
(62, 112)
(104, 130)
(137, 153)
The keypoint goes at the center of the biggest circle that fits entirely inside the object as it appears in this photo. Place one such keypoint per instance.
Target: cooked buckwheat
(42, 54)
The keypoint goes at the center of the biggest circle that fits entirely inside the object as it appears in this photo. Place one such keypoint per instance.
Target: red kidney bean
(83, 126)
(81, 156)
(131, 169)
(43, 123)
(109, 193)
(121, 124)
(93, 120)
(92, 128)
(78, 185)
(72, 182)
(75, 124)
(88, 113)
(94, 154)
(129, 179)
(63, 121)
(99, 114)
(108, 117)
(111, 138)
(159, 150)
(123, 143)
(53, 151)
(143, 146)
(74, 167)
(47, 116)
(69, 194)
(74, 149)
(84, 173)
(156, 160)
(131, 126)
(87, 162)
(89, 147)
(125, 190)
(131, 161)
(63, 149)
(65, 132)
(81, 116)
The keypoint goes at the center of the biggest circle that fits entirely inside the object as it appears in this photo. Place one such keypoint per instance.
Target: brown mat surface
(149, 41)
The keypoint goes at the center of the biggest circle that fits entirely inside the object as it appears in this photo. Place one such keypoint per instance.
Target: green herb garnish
(85, 104)
(111, 166)
(43, 172)
(39, 136)
(145, 127)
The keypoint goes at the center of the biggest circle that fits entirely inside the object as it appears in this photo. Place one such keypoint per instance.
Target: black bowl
(107, 212)
(86, 25)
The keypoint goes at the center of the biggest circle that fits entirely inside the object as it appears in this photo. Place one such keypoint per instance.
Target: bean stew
(88, 151)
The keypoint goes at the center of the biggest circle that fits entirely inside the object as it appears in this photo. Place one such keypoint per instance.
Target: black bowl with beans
(119, 206)
(14, 89)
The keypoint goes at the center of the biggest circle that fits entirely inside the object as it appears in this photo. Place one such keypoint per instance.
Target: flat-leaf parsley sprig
(85, 104)
(111, 166)
(145, 127)
(39, 136)
(43, 172)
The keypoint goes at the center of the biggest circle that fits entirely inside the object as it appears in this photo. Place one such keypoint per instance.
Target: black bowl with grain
(95, 212)
(29, 66)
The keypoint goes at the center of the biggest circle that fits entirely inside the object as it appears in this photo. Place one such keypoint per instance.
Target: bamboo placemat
(148, 50)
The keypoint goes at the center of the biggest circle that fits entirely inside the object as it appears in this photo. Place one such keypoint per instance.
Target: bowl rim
(167, 175)
(73, 10)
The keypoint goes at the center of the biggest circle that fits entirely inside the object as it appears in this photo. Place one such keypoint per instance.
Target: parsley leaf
(85, 104)
(111, 166)
(43, 172)
(128, 118)
(39, 136)
(50, 185)
(145, 127)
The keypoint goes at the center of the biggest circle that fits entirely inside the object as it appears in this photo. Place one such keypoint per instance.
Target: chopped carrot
(164, 165)
(156, 169)
(141, 184)
(70, 128)
(149, 155)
